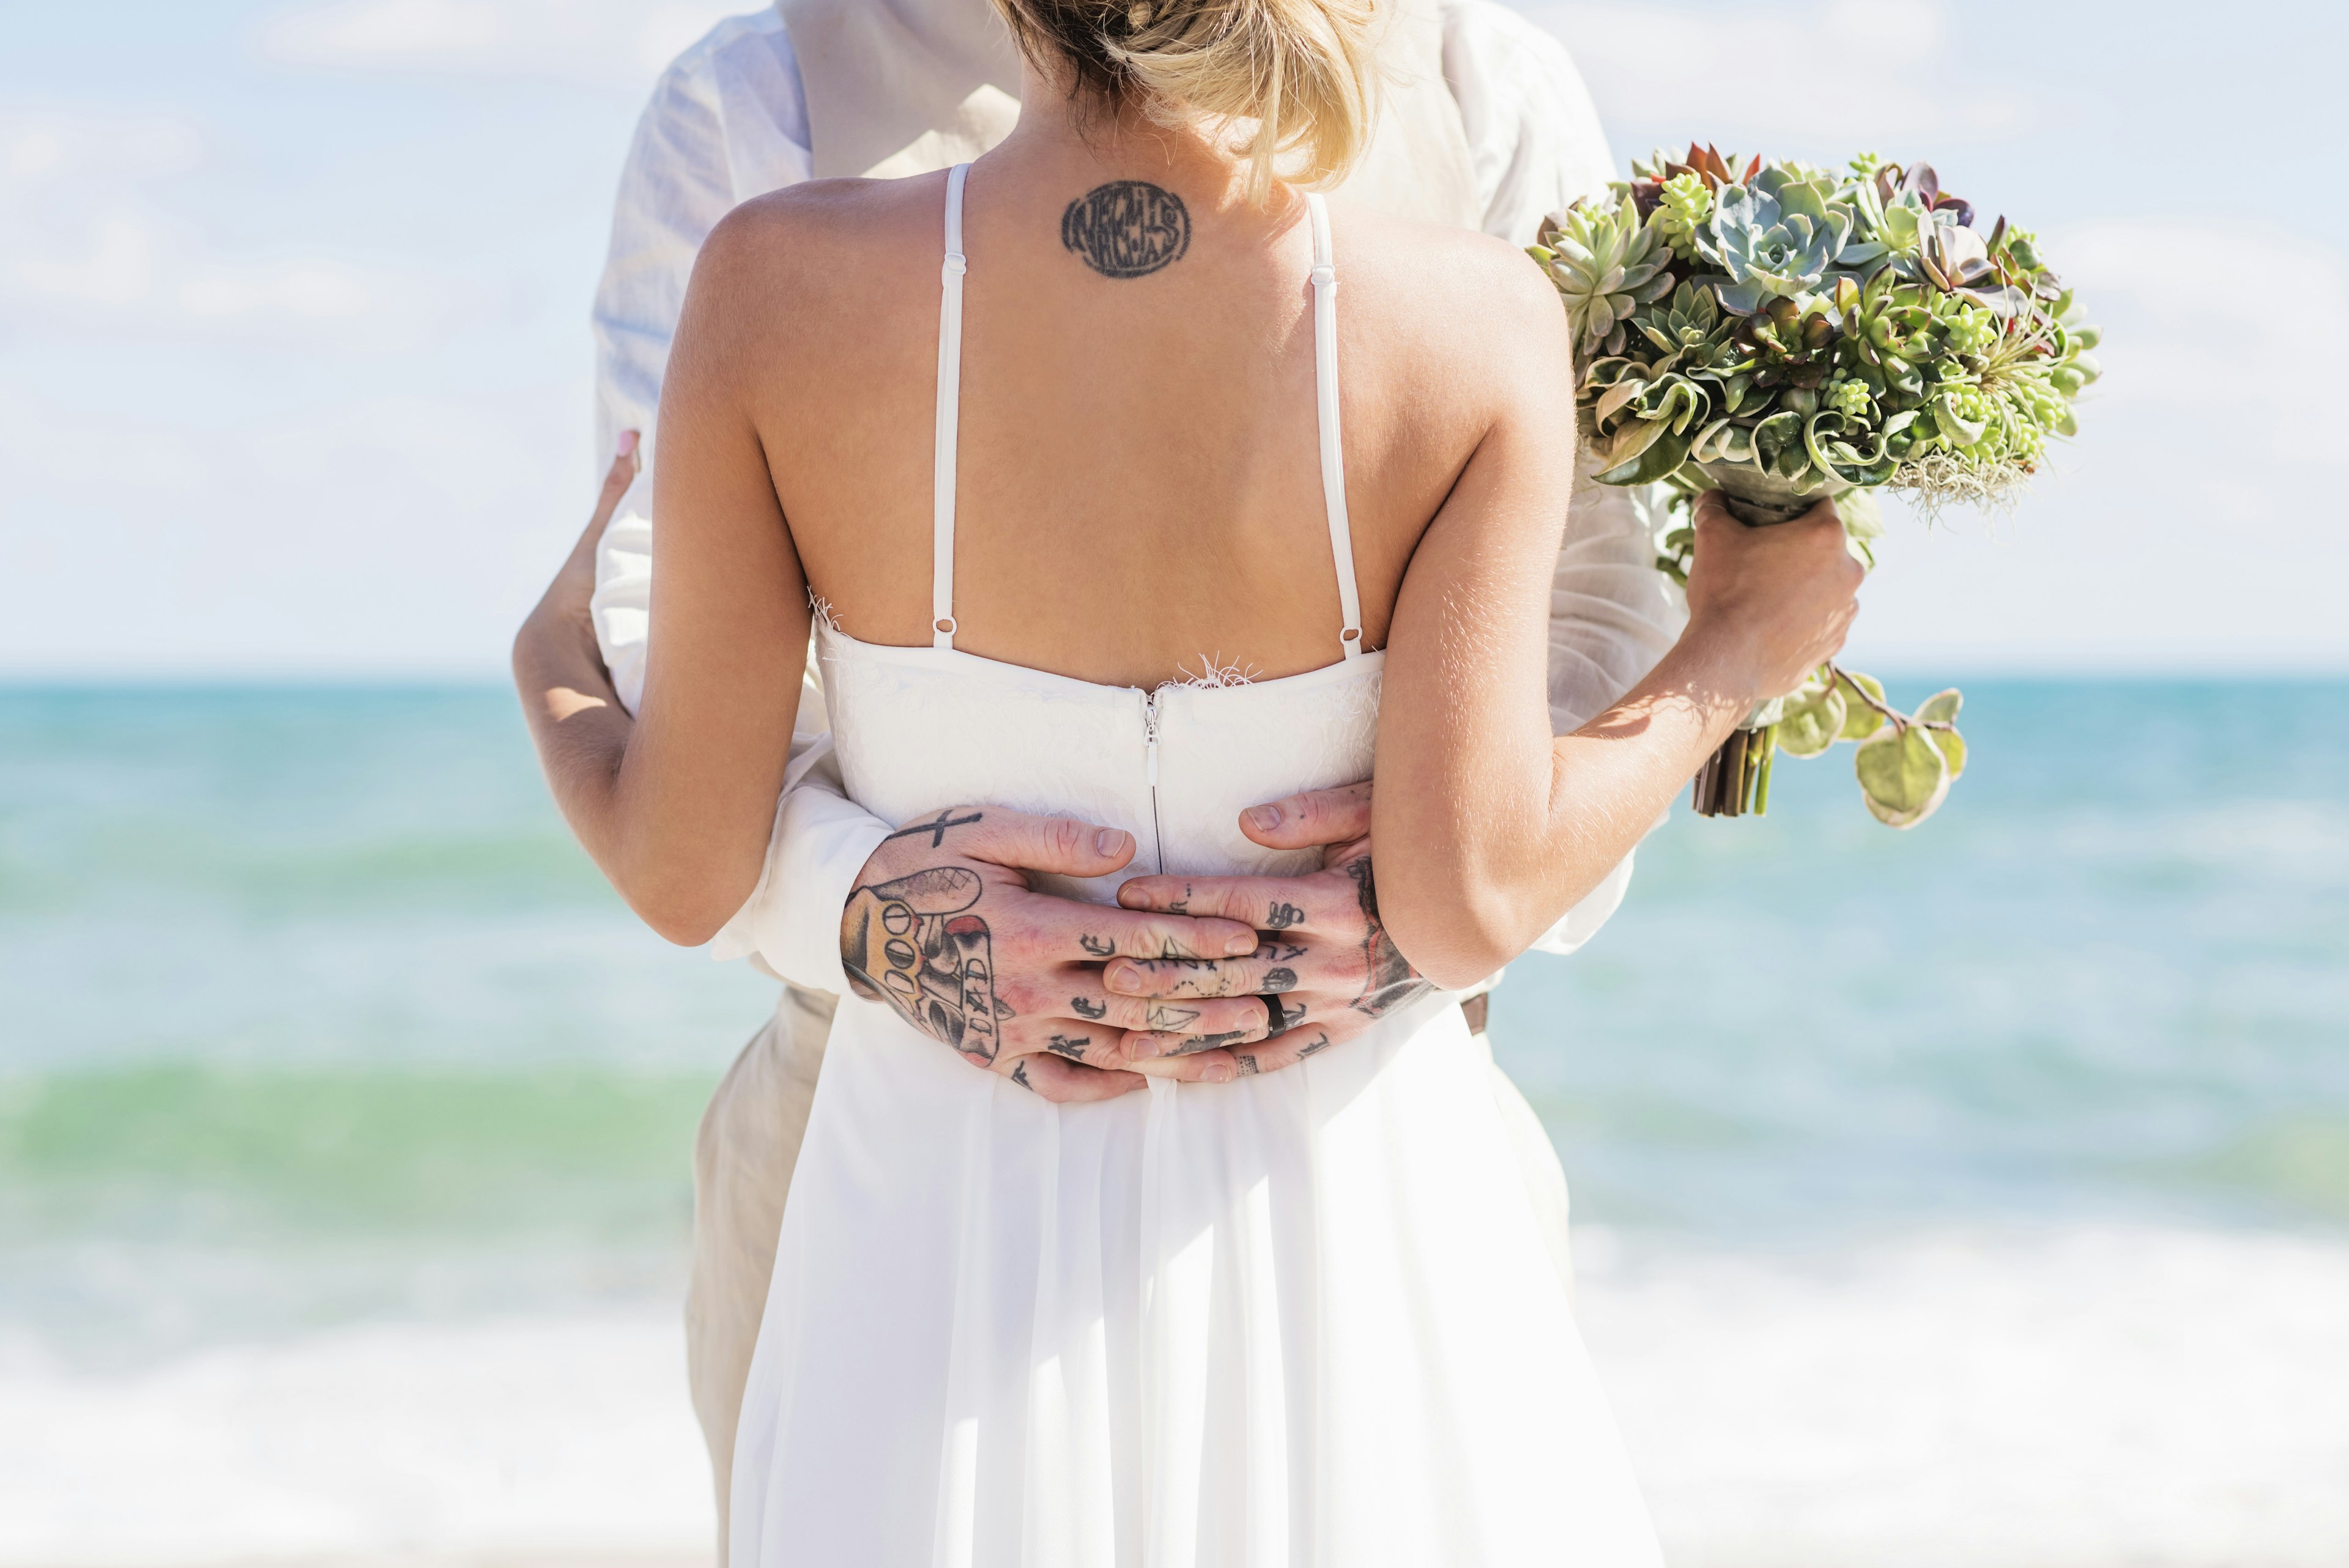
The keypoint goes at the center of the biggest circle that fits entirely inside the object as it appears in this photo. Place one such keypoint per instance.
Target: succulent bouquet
(1780, 333)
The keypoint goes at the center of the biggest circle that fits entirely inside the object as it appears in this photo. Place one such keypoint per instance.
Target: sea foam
(1959, 1400)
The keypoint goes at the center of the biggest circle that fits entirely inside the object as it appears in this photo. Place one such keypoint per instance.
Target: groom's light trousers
(743, 1160)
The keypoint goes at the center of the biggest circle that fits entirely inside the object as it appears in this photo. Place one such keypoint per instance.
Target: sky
(294, 359)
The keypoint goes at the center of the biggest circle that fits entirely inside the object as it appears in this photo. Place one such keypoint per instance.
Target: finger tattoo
(1086, 1008)
(937, 828)
(1198, 1043)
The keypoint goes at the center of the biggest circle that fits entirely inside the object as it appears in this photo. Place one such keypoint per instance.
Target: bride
(1042, 440)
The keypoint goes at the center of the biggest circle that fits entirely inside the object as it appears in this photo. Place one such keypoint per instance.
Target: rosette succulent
(1781, 333)
(1778, 237)
(1607, 262)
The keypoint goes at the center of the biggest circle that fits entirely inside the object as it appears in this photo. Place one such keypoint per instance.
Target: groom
(1484, 124)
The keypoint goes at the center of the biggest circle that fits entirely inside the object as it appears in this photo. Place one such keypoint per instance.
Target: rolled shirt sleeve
(1536, 143)
(727, 123)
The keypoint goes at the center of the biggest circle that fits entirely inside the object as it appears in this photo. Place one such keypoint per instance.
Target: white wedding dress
(1300, 1320)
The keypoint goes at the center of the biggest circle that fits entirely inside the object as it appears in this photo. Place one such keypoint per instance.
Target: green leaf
(1942, 706)
(1612, 401)
(1902, 775)
(1659, 459)
(1954, 750)
(1863, 518)
(1860, 721)
(1812, 722)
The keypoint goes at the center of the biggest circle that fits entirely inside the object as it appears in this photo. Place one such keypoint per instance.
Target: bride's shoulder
(1450, 291)
(821, 241)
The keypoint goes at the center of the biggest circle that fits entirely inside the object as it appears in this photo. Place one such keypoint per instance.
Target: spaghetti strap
(942, 461)
(1333, 450)
(1325, 383)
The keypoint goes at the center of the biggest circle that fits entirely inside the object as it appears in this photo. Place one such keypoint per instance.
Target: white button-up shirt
(728, 121)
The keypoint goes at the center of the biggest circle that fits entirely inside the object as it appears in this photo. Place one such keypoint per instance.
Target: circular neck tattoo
(1127, 228)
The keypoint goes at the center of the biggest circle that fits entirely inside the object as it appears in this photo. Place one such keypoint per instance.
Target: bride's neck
(1080, 142)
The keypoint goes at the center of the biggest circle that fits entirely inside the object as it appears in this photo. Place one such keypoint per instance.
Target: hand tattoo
(1198, 1043)
(1282, 979)
(910, 944)
(1071, 1046)
(1127, 228)
(1085, 1009)
(1098, 946)
(1390, 982)
(1319, 1044)
(937, 828)
(1019, 1077)
(1283, 916)
(1169, 1020)
(1248, 1066)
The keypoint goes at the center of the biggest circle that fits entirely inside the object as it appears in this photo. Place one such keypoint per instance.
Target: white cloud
(86, 245)
(1755, 72)
(619, 44)
(377, 532)
(2257, 355)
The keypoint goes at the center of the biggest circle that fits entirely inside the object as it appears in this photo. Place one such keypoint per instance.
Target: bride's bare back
(1139, 489)
(1139, 485)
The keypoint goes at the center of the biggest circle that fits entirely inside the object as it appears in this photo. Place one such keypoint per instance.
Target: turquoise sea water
(310, 1011)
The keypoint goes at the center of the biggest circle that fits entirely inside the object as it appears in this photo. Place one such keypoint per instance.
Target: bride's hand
(1779, 601)
(945, 927)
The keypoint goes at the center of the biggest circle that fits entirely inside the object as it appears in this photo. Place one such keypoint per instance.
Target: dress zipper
(1150, 756)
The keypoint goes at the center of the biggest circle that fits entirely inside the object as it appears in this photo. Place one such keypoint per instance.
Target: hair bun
(1302, 72)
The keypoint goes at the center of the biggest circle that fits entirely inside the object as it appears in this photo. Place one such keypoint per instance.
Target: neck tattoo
(1127, 229)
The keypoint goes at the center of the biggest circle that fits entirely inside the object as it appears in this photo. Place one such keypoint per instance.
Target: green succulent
(1683, 324)
(1850, 396)
(1778, 238)
(1780, 333)
(1683, 205)
(1794, 342)
(1606, 264)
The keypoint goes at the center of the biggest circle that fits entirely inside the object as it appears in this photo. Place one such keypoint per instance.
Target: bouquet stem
(1763, 513)
(1735, 779)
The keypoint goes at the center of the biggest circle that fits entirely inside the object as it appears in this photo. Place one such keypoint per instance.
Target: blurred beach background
(1972, 1196)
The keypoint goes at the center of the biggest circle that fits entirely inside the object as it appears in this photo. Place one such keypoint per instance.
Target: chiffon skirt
(1306, 1318)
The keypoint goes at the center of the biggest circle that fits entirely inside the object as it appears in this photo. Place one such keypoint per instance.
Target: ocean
(1972, 1195)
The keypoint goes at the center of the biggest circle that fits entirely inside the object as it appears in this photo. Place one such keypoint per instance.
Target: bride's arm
(1489, 828)
(676, 809)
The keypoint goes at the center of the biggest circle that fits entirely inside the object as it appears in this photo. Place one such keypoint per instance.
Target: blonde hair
(1303, 72)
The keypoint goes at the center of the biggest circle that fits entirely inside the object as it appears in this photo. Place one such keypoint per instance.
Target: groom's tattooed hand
(1391, 982)
(946, 929)
(1325, 955)
(912, 945)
